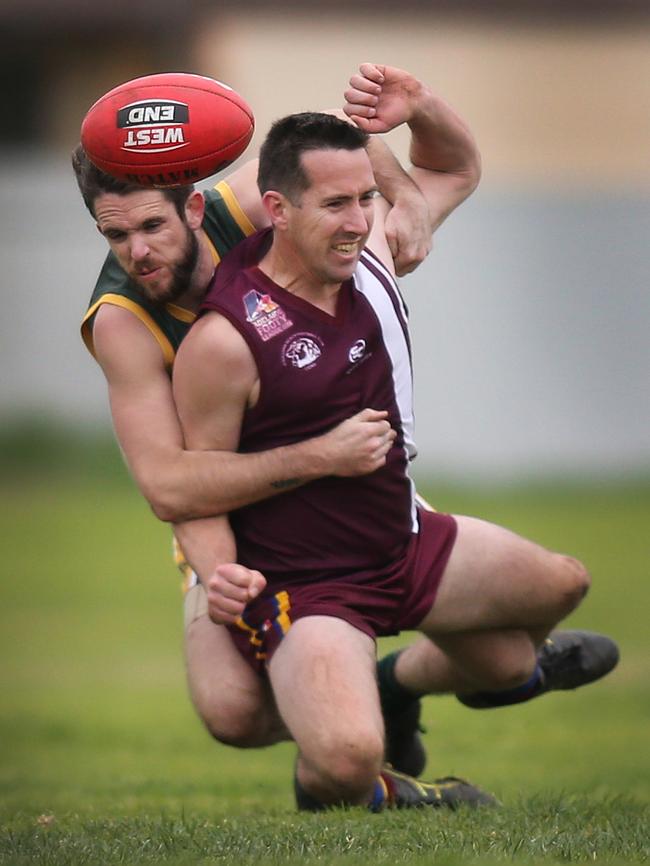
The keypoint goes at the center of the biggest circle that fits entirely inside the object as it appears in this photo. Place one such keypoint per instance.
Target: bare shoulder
(213, 336)
(214, 355)
(124, 346)
(215, 379)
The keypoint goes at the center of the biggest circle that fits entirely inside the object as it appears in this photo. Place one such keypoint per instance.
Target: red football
(167, 129)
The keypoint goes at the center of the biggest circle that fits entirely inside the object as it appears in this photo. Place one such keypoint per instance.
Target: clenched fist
(230, 588)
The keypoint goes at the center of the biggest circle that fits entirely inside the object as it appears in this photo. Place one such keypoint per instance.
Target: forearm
(206, 544)
(181, 485)
(195, 484)
(409, 225)
(445, 158)
(440, 139)
(392, 180)
(209, 548)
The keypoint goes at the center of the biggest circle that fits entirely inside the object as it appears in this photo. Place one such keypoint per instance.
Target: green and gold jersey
(225, 224)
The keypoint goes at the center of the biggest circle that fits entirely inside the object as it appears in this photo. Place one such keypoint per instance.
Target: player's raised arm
(409, 232)
(445, 158)
(408, 222)
(408, 228)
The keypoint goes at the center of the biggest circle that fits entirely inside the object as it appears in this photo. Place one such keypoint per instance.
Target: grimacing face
(156, 248)
(329, 226)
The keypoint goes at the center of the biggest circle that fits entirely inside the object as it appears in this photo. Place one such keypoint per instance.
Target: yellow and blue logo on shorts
(276, 621)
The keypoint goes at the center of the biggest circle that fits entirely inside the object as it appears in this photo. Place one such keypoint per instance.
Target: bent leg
(466, 661)
(323, 678)
(500, 595)
(495, 579)
(235, 704)
(494, 662)
(486, 635)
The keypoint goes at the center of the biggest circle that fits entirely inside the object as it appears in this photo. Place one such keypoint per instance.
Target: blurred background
(531, 319)
(531, 332)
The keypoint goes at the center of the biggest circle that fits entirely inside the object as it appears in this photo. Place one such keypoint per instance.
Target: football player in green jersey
(164, 248)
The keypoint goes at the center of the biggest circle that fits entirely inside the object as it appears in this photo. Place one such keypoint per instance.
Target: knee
(232, 730)
(354, 769)
(572, 582)
(344, 769)
(244, 725)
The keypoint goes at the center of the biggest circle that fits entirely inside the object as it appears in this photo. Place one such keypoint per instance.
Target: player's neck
(291, 275)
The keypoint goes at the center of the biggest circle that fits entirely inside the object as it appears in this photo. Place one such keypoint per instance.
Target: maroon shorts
(377, 603)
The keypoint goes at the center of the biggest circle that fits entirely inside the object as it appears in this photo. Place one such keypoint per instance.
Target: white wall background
(531, 325)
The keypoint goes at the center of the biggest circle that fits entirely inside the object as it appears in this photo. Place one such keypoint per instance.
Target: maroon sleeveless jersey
(316, 370)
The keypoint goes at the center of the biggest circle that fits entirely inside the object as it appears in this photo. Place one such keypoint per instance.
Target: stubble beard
(182, 273)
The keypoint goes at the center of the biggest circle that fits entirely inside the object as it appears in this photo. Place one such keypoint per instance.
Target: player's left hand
(229, 589)
(408, 231)
(379, 98)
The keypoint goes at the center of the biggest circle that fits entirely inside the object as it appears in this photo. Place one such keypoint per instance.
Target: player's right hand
(230, 587)
(358, 445)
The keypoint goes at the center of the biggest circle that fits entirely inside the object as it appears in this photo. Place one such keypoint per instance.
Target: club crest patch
(268, 318)
(302, 351)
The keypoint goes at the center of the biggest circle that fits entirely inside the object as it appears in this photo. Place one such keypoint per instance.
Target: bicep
(214, 376)
(443, 191)
(140, 393)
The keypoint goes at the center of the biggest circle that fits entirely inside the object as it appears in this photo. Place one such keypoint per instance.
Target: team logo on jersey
(302, 351)
(268, 318)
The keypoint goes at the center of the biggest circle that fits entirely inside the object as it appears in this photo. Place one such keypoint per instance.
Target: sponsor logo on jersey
(358, 354)
(357, 351)
(302, 351)
(268, 317)
(153, 125)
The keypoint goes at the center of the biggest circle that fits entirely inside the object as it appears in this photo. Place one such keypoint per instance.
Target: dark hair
(280, 166)
(93, 182)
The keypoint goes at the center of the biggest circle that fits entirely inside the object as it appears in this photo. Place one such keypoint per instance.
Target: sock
(530, 689)
(380, 797)
(393, 695)
(305, 801)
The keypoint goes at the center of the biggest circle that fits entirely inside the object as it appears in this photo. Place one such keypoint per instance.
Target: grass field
(103, 760)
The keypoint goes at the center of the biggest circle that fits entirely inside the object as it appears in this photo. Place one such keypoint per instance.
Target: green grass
(550, 830)
(103, 761)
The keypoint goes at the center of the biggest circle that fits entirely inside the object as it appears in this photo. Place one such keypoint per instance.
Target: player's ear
(275, 204)
(195, 209)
